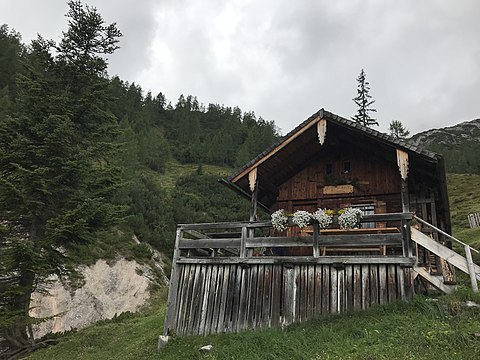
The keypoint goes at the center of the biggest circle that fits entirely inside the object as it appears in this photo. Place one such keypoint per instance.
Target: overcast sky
(287, 59)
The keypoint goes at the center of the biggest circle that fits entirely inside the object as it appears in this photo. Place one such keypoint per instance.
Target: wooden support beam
(366, 240)
(316, 247)
(254, 202)
(242, 192)
(406, 241)
(253, 212)
(449, 255)
(280, 146)
(471, 269)
(372, 259)
(197, 234)
(404, 197)
(386, 217)
(402, 161)
(226, 225)
(171, 313)
(243, 241)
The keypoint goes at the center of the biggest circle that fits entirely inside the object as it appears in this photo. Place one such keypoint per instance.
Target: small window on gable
(346, 167)
(328, 169)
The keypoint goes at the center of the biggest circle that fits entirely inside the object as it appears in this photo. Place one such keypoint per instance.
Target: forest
(82, 156)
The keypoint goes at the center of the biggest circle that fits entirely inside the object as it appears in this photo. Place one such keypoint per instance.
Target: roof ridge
(322, 113)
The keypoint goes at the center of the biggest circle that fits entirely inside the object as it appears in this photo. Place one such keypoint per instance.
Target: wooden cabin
(331, 162)
(229, 277)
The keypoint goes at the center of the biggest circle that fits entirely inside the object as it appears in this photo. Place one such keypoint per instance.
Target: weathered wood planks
(216, 298)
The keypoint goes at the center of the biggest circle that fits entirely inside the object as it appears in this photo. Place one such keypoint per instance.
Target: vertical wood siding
(217, 298)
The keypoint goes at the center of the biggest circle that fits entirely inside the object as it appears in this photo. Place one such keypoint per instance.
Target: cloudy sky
(287, 59)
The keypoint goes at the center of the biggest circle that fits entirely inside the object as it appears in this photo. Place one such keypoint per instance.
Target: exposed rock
(459, 145)
(452, 135)
(109, 290)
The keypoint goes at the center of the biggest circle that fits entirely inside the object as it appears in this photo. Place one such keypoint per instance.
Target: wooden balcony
(223, 281)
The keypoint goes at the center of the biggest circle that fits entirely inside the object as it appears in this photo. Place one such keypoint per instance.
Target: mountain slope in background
(459, 144)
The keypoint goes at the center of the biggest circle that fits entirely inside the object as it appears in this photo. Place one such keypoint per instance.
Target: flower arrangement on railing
(323, 217)
(301, 218)
(279, 220)
(349, 218)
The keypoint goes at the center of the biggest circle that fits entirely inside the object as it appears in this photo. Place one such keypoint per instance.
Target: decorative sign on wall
(339, 189)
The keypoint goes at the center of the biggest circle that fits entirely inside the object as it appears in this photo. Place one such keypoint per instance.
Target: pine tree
(55, 174)
(363, 102)
(397, 130)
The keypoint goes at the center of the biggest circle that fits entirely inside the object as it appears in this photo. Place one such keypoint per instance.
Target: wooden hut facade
(232, 276)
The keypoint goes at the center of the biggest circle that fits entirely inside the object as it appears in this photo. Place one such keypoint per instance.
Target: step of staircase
(435, 280)
(449, 255)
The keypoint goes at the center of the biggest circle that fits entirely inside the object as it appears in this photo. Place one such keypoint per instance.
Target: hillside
(464, 199)
(459, 144)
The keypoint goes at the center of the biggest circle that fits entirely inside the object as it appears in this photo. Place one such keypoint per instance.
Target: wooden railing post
(171, 312)
(406, 243)
(316, 233)
(243, 240)
(471, 269)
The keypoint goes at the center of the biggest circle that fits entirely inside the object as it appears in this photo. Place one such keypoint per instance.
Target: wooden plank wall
(374, 175)
(217, 298)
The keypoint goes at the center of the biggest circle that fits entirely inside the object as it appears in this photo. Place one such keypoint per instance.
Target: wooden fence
(474, 220)
(217, 285)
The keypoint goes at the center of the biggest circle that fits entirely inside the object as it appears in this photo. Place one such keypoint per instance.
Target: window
(346, 167)
(367, 209)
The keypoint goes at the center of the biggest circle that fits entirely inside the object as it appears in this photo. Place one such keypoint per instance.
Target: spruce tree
(364, 102)
(56, 177)
(397, 130)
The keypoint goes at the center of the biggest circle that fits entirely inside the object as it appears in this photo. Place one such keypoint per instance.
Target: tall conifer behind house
(364, 102)
(56, 177)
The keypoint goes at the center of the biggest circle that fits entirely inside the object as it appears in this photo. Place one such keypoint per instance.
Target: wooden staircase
(441, 263)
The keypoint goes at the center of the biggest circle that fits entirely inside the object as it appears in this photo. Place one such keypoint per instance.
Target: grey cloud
(286, 59)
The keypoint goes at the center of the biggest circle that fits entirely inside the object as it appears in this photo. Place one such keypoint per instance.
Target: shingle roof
(323, 114)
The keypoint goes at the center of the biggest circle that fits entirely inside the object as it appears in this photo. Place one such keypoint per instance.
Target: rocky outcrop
(468, 131)
(108, 290)
(459, 145)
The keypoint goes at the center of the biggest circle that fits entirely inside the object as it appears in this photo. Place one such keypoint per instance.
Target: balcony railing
(240, 241)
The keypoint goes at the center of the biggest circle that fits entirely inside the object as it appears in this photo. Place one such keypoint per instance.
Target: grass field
(442, 328)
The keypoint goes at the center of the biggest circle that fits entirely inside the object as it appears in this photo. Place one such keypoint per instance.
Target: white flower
(302, 218)
(279, 220)
(322, 218)
(350, 218)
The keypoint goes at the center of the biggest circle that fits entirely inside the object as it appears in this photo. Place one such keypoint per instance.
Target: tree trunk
(17, 332)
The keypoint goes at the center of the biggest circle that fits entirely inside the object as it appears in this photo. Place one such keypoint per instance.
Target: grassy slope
(464, 194)
(175, 170)
(422, 330)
